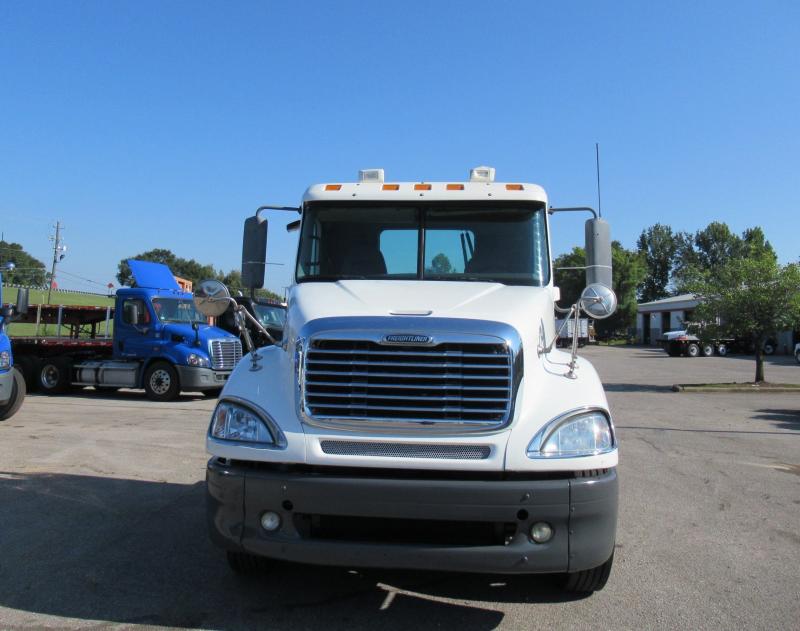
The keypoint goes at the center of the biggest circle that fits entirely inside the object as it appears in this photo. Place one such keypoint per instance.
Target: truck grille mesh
(450, 382)
(225, 353)
(405, 450)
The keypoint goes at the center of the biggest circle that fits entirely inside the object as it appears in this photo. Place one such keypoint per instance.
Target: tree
(751, 297)
(658, 246)
(569, 275)
(440, 264)
(184, 268)
(29, 271)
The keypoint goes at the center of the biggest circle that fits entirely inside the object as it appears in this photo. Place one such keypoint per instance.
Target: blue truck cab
(160, 343)
(12, 384)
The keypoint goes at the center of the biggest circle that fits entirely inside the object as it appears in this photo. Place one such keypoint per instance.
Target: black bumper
(192, 378)
(324, 517)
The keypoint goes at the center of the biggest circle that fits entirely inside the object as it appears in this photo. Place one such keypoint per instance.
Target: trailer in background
(565, 333)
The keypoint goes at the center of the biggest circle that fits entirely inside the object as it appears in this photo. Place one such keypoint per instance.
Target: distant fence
(57, 291)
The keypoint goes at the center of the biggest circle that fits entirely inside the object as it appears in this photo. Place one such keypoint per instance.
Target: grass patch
(39, 296)
(747, 386)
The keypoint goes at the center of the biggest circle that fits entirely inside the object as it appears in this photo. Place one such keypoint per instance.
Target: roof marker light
(422, 187)
(333, 187)
(455, 187)
(513, 187)
(481, 174)
(391, 187)
(370, 176)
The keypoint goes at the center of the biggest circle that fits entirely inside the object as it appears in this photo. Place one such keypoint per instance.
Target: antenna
(597, 163)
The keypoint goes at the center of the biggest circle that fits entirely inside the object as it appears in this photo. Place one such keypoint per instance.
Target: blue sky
(164, 124)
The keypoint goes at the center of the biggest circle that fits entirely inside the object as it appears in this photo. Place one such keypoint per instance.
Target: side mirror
(598, 252)
(598, 301)
(254, 252)
(21, 307)
(211, 297)
(293, 226)
(134, 316)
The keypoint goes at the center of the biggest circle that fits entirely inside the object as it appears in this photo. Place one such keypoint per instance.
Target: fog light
(541, 532)
(270, 521)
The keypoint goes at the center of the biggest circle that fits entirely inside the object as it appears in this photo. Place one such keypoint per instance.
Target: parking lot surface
(102, 521)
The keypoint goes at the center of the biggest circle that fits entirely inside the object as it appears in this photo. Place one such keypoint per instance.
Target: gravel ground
(102, 521)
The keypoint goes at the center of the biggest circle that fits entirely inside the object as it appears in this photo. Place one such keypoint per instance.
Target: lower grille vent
(405, 450)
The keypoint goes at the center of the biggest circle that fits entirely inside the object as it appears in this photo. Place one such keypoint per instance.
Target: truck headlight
(587, 433)
(235, 422)
(5, 360)
(193, 359)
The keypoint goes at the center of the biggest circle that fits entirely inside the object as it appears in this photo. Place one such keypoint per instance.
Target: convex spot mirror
(211, 297)
(598, 301)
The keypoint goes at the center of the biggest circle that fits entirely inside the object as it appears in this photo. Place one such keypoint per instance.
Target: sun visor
(153, 275)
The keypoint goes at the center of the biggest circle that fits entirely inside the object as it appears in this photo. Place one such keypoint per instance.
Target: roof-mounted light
(481, 174)
(370, 176)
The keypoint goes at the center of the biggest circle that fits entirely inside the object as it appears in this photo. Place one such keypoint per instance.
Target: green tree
(440, 264)
(658, 245)
(29, 271)
(751, 297)
(185, 268)
(570, 275)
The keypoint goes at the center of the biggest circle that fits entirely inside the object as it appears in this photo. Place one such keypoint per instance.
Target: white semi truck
(416, 413)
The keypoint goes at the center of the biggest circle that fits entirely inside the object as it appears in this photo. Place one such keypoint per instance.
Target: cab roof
(373, 187)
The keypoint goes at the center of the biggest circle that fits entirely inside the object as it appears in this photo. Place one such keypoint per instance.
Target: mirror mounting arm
(295, 209)
(572, 209)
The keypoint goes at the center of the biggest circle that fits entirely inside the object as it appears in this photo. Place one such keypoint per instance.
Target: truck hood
(206, 333)
(522, 307)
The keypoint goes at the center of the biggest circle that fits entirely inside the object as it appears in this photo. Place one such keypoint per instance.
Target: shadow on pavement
(785, 419)
(133, 551)
(635, 387)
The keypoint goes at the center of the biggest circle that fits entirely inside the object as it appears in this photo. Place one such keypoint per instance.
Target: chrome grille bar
(225, 353)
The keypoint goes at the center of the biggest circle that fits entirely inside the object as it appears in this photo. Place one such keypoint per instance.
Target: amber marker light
(391, 187)
(333, 187)
(455, 187)
(422, 187)
(513, 187)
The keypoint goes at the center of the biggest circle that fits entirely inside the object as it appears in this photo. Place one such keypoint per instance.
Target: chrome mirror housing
(598, 301)
(211, 297)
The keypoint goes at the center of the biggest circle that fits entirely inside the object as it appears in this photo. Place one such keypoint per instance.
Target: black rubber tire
(693, 350)
(18, 392)
(161, 382)
(212, 394)
(707, 350)
(769, 348)
(588, 581)
(246, 564)
(722, 350)
(29, 367)
(54, 375)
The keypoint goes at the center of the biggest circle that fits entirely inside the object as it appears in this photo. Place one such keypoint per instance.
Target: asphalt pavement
(102, 522)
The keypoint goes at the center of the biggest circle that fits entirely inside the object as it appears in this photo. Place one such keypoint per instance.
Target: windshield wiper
(325, 277)
(470, 279)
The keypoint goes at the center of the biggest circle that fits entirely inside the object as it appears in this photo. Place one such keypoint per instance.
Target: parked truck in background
(160, 343)
(416, 413)
(271, 315)
(12, 383)
(565, 328)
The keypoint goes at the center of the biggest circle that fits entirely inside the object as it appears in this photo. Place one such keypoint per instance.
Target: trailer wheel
(693, 350)
(54, 375)
(722, 350)
(161, 382)
(587, 581)
(18, 391)
(769, 348)
(708, 350)
(29, 367)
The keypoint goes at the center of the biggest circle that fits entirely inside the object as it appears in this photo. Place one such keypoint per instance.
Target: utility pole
(57, 249)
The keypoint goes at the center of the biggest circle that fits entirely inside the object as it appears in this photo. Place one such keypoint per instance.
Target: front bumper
(581, 510)
(202, 378)
(6, 385)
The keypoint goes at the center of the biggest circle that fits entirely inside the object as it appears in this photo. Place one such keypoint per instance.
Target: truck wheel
(54, 375)
(769, 348)
(722, 350)
(29, 367)
(161, 382)
(246, 564)
(587, 581)
(693, 350)
(708, 350)
(17, 396)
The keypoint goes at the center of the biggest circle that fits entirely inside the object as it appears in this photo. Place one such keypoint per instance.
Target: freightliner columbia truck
(416, 413)
(160, 343)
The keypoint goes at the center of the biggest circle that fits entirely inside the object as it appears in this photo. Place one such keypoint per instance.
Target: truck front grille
(466, 383)
(225, 353)
(405, 450)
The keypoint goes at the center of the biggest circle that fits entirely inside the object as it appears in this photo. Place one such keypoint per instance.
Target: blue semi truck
(160, 343)
(12, 384)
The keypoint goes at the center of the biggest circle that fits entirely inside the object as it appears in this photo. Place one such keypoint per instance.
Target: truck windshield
(270, 315)
(176, 310)
(503, 242)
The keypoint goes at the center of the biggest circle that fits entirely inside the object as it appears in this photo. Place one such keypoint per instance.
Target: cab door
(134, 329)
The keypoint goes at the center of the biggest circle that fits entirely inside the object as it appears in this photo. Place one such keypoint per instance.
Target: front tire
(18, 391)
(161, 382)
(54, 375)
(588, 581)
(693, 350)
